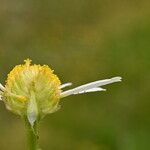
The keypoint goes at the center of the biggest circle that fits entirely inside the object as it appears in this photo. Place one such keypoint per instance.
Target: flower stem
(32, 135)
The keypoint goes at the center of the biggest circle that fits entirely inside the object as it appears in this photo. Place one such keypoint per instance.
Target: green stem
(32, 135)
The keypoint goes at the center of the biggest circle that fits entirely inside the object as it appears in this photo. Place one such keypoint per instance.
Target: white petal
(1, 95)
(32, 118)
(65, 85)
(91, 90)
(32, 110)
(90, 87)
(2, 87)
(95, 89)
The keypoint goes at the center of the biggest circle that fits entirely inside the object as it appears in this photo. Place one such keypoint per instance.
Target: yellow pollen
(21, 98)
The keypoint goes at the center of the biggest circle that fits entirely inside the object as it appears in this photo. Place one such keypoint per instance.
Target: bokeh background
(83, 41)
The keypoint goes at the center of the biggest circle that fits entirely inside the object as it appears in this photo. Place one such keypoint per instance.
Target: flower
(34, 90)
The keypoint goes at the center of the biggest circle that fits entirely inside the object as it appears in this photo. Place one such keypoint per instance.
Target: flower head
(34, 90)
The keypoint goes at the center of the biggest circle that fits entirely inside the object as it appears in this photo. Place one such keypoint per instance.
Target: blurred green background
(83, 41)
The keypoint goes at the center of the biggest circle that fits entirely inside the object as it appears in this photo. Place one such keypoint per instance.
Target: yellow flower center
(27, 80)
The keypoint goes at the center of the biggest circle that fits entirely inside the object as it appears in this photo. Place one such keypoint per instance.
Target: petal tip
(116, 79)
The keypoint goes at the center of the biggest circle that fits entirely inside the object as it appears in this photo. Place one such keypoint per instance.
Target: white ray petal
(95, 89)
(65, 85)
(91, 90)
(90, 87)
(2, 88)
(1, 95)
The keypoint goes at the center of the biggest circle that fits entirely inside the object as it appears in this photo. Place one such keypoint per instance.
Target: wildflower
(34, 90)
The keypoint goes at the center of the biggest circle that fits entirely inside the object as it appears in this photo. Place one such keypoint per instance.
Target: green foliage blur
(83, 41)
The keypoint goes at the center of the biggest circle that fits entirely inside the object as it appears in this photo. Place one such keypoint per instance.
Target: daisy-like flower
(32, 91)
